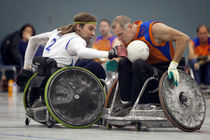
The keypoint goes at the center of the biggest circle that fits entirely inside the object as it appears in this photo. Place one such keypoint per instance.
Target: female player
(67, 45)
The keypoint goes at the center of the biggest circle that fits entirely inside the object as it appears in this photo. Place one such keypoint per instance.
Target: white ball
(137, 50)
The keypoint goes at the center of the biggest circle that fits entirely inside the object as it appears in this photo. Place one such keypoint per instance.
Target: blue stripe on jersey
(165, 50)
(196, 42)
(71, 63)
(69, 41)
(144, 31)
(98, 38)
(144, 28)
(111, 39)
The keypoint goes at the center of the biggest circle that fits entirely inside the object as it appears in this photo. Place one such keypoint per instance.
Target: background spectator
(13, 49)
(106, 40)
(199, 55)
(9, 48)
(26, 34)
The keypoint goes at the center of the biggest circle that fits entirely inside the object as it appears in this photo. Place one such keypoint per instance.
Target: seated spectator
(199, 56)
(106, 40)
(13, 49)
(26, 34)
(14, 45)
(9, 48)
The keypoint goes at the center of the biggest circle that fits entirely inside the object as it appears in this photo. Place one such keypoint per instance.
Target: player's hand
(173, 73)
(23, 77)
(111, 65)
(117, 51)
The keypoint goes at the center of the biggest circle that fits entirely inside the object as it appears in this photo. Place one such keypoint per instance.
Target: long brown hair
(81, 19)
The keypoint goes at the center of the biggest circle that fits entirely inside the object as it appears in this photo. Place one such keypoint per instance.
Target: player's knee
(98, 70)
(139, 65)
(124, 64)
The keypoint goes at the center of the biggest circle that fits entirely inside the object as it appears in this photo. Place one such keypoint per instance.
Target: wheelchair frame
(50, 117)
(138, 116)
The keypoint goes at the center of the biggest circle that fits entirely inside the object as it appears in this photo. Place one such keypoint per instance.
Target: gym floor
(12, 126)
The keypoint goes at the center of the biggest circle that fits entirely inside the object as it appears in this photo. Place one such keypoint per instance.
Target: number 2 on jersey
(53, 42)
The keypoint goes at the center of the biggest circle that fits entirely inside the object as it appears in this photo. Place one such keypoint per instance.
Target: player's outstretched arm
(163, 32)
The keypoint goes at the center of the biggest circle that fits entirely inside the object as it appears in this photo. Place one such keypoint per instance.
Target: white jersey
(65, 49)
(57, 46)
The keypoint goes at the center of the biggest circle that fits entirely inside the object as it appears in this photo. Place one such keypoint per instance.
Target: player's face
(104, 28)
(87, 32)
(124, 35)
(203, 34)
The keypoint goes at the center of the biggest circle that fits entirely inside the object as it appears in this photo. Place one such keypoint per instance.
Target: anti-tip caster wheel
(138, 126)
(108, 126)
(27, 121)
(100, 121)
(50, 124)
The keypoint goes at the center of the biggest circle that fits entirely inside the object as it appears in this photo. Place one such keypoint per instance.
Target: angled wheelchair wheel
(32, 99)
(75, 97)
(184, 105)
(32, 92)
(26, 92)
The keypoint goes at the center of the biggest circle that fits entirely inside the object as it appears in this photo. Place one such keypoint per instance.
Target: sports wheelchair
(72, 96)
(182, 106)
(75, 97)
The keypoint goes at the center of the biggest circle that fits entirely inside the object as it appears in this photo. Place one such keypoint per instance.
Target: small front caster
(50, 124)
(100, 121)
(27, 121)
(138, 126)
(108, 126)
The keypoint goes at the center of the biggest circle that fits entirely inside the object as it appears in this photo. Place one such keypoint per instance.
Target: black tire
(75, 97)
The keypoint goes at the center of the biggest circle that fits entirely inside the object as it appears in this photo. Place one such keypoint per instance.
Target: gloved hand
(173, 73)
(117, 51)
(111, 65)
(23, 77)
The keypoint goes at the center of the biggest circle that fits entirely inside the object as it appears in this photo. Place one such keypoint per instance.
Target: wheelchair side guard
(183, 105)
(74, 99)
(110, 94)
(26, 90)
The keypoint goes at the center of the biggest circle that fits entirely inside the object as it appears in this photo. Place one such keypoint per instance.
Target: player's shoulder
(53, 33)
(75, 38)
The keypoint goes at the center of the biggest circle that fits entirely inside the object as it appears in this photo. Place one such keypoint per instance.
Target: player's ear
(130, 25)
(78, 27)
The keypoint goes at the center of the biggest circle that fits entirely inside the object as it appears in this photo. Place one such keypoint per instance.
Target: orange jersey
(104, 44)
(158, 53)
(201, 49)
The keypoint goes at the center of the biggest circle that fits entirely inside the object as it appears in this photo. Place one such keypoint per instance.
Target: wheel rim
(74, 97)
(183, 105)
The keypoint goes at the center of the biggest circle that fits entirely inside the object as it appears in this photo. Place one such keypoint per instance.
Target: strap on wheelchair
(46, 66)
